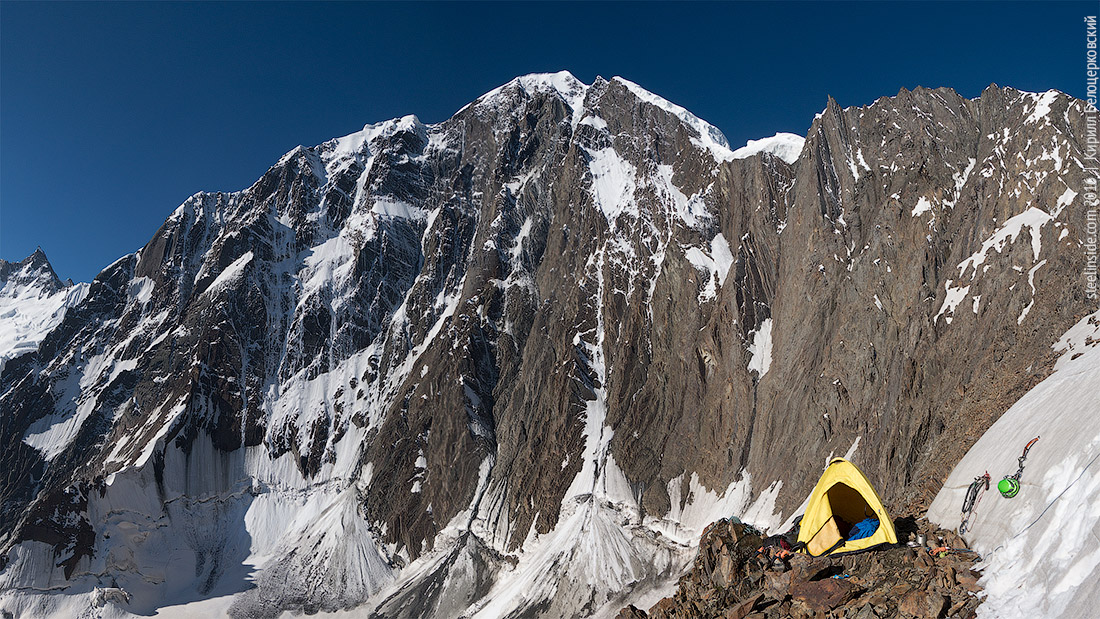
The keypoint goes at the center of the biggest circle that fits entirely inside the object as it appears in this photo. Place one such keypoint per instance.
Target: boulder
(923, 605)
(631, 612)
(743, 609)
(822, 595)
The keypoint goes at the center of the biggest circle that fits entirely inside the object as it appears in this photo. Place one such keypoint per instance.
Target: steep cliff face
(511, 363)
(939, 257)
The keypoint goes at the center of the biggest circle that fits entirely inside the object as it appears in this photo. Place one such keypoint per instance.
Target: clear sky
(112, 114)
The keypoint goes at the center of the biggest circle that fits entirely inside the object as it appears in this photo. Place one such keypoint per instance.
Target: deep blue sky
(113, 114)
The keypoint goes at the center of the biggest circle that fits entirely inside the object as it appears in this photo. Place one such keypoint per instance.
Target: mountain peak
(709, 136)
(562, 83)
(573, 92)
(33, 300)
(354, 142)
(35, 268)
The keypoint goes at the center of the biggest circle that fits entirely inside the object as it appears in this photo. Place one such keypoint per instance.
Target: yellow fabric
(825, 538)
(843, 491)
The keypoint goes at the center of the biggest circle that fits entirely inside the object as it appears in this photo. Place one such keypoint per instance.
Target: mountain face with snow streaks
(511, 363)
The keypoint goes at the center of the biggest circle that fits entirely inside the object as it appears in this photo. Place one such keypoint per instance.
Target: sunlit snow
(28, 313)
(761, 349)
(786, 146)
(1040, 549)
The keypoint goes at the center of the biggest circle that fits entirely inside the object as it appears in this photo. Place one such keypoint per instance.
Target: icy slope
(1041, 548)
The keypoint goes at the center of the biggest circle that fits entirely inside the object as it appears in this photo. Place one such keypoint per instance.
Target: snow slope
(29, 311)
(1040, 549)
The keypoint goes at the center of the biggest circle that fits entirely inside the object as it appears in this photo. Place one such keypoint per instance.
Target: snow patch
(761, 349)
(594, 121)
(1064, 200)
(1031, 283)
(141, 289)
(1033, 219)
(612, 183)
(1042, 106)
(691, 210)
(851, 450)
(923, 206)
(715, 266)
(231, 273)
(954, 296)
(786, 146)
(960, 179)
(391, 207)
(723, 257)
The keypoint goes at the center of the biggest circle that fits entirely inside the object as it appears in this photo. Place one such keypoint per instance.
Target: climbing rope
(1051, 503)
(974, 496)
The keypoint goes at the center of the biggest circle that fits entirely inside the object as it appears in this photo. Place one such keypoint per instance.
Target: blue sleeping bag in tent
(863, 528)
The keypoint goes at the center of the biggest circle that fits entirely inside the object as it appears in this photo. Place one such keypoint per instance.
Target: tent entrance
(846, 507)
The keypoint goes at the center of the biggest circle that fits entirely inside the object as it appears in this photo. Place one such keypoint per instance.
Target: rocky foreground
(729, 581)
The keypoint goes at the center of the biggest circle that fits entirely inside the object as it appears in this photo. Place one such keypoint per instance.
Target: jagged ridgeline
(514, 362)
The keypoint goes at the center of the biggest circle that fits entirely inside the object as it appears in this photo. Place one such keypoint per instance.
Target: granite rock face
(536, 347)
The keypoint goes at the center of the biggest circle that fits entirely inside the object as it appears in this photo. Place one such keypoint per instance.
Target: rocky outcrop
(730, 580)
(553, 334)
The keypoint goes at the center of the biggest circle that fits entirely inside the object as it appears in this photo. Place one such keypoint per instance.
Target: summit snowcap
(572, 92)
(786, 146)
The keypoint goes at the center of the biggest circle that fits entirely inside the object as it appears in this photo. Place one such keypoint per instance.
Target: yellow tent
(843, 497)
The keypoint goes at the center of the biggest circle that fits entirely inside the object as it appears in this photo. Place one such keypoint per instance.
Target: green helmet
(1008, 487)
